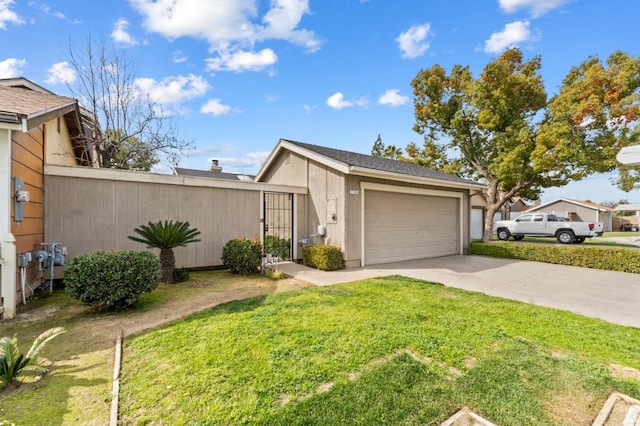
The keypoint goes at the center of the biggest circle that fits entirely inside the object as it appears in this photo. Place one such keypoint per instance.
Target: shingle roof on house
(213, 175)
(26, 102)
(380, 164)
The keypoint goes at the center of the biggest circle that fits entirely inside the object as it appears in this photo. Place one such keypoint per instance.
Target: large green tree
(502, 129)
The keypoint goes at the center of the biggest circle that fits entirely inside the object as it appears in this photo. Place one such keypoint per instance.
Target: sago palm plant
(166, 236)
(14, 364)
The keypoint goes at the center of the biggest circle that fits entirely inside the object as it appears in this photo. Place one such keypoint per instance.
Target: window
(524, 218)
(538, 218)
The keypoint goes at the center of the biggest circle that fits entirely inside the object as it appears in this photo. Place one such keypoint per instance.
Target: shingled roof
(354, 159)
(25, 105)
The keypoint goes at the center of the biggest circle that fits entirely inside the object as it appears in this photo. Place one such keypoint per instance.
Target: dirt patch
(573, 407)
(91, 330)
(624, 372)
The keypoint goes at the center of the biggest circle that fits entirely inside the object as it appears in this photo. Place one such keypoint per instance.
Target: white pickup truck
(547, 225)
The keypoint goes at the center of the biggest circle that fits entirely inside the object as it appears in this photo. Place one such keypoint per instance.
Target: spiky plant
(166, 236)
(14, 364)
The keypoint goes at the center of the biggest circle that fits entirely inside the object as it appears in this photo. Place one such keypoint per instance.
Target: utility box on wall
(20, 196)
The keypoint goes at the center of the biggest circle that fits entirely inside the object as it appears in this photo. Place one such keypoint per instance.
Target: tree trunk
(167, 265)
(490, 211)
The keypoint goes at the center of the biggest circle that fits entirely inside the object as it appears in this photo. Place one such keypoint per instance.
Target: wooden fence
(97, 209)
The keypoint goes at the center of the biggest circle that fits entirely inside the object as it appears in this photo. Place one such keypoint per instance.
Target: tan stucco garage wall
(288, 169)
(353, 207)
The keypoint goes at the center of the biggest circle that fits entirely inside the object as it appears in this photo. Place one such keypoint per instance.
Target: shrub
(607, 258)
(166, 236)
(13, 364)
(112, 280)
(242, 255)
(180, 275)
(274, 275)
(325, 258)
(277, 246)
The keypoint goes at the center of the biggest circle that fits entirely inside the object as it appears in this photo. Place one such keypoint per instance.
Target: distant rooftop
(627, 208)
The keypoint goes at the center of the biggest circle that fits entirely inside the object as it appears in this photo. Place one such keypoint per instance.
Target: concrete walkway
(611, 296)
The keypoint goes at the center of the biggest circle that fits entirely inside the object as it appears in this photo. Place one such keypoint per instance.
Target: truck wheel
(565, 237)
(503, 234)
(580, 240)
(518, 237)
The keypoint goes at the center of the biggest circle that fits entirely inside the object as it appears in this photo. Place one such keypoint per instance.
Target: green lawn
(77, 390)
(621, 234)
(382, 351)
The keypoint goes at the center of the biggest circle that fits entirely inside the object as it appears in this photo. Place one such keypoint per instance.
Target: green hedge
(242, 255)
(610, 259)
(325, 258)
(112, 280)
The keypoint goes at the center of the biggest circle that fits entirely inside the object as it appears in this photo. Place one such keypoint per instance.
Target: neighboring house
(512, 209)
(627, 217)
(375, 209)
(37, 127)
(215, 172)
(515, 208)
(577, 210)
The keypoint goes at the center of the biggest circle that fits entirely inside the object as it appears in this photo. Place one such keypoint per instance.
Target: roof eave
(363, 171)
(41, 117)
(570, 201)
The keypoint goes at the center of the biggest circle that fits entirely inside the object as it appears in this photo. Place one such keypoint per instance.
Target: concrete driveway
(611, 296)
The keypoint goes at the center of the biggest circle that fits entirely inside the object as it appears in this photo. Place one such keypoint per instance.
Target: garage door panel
(402, 226)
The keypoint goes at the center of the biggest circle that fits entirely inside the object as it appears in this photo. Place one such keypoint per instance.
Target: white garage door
(402, 226)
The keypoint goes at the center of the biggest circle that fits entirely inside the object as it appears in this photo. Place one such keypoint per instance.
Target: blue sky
(237, 75)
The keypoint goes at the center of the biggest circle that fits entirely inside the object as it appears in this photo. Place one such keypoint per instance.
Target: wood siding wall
(27, 163)
(98, 214)
(326, 195)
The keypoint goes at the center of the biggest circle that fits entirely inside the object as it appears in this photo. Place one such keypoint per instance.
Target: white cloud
(413, 42)
(120, 34)
(226, 25)
(61, 72)
(179, 57)
(362, 102)
(536, 7)
(253, 161)
(209, 150)
(281, 22)
(336, 101)
(8, 15)
(215, 107)
(12, 67)
(173, 90)
(242, 61)
(46, 9)
(513, 34)
(393, 98)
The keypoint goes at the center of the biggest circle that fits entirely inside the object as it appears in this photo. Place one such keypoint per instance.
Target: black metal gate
(278, 224)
